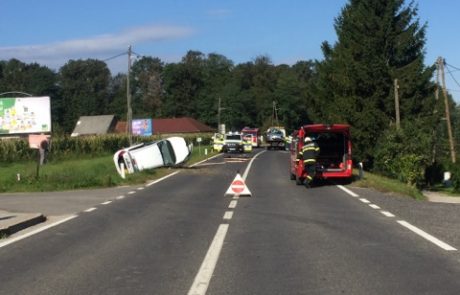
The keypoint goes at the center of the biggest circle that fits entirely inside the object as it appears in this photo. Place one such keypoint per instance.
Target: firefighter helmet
(307, 139)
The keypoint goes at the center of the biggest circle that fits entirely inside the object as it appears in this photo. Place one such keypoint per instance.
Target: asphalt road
(179, 236)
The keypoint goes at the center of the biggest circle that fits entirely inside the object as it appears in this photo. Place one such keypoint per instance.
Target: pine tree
(378, 41)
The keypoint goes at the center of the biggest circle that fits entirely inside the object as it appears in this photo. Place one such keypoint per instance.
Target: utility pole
(219, 111)
(398, 119)
(129, 115)
(446, 103)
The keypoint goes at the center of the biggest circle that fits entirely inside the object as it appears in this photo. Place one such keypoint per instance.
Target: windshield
(233, 137)
(169, 158)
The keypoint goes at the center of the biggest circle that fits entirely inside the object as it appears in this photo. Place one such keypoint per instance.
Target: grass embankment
(77, 173)
(385, 184)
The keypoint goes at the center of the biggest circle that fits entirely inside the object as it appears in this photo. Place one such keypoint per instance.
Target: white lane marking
(204, 275)
(140, 188)
(427, 236)
(131, 192)
(31, 233)
(374, 206)
(106, 203)
(236, 197)
(120, 197)
(228, 215)
(199, 163)
(365, 201)
(163, 178)
(387, 214)
(210, 164)
(246, 172)
(90, 209)
(348, 191)
(232, 204)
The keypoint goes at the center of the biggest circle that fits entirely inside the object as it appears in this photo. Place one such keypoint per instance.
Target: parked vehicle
(171, 151)
(334, 160)
(276, 137)
(256, 142)
(235, 143)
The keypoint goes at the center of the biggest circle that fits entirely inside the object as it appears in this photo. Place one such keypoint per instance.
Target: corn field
(17, 149)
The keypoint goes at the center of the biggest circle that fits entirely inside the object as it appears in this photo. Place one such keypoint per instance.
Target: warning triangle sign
(238, 187)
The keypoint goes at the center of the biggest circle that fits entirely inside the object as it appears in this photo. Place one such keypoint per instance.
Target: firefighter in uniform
(308, 153)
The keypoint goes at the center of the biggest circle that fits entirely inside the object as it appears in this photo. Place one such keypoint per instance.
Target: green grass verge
(81, 173)
(385, 184)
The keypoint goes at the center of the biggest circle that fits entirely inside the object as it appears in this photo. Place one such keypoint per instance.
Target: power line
(450, 73)
(115, 56)
(456, 69)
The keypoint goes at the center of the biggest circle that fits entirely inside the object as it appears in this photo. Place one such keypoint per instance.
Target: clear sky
(51, 32)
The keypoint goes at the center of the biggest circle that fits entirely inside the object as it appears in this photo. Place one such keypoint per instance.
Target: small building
(94, 125)
(171, 126)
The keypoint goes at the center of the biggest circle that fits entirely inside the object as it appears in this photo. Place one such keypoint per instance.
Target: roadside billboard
(25, 115)
(142, 127)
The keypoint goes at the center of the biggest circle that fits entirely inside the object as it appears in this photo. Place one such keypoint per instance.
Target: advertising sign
(142, 127)
(25, 115)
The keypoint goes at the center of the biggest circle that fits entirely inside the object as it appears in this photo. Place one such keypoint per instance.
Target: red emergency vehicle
(334, 159)
(255, 135)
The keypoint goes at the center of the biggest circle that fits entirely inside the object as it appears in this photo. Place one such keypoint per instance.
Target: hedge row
(14, 150)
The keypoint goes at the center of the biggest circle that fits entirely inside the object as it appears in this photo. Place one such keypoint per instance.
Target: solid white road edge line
(31, 233)
(90, 209)
(347, 191)
(210, 158)
(161, 179)
(204, 275)
(427, 236)
(246, 172)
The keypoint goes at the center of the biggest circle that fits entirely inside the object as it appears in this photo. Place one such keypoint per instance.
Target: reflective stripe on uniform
(309, 161)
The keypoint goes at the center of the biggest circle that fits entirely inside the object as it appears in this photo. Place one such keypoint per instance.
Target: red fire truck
(255, 135)
(334, 159)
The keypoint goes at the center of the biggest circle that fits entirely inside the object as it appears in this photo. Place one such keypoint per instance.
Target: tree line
(377, 42)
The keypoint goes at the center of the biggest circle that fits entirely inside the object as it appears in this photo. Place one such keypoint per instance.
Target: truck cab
(334, 160)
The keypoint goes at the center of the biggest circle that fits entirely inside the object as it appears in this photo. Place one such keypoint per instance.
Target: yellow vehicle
(218, 142)
(247, 143)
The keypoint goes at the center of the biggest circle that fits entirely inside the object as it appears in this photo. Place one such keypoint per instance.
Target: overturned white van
(171, 151)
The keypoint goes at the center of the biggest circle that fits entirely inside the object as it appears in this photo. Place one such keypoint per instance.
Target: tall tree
(84, 86)
(148, 87)
(378, 41)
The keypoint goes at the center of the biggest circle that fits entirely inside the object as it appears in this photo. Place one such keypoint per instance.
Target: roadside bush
(404, 154)
(455, 177)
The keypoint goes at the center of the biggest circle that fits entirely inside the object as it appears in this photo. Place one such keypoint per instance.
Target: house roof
(89, 125)
(179, 125)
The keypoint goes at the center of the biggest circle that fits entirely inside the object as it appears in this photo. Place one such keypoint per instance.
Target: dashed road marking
(373, 206)
(90, 209)
(365, 201)
(387, 214)
(131, 192)
(106, 203)
(233, 204)
(204, 275)
(228, 215)
(347, 191)
(140, 188)
(427, 236)
(120, 197)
